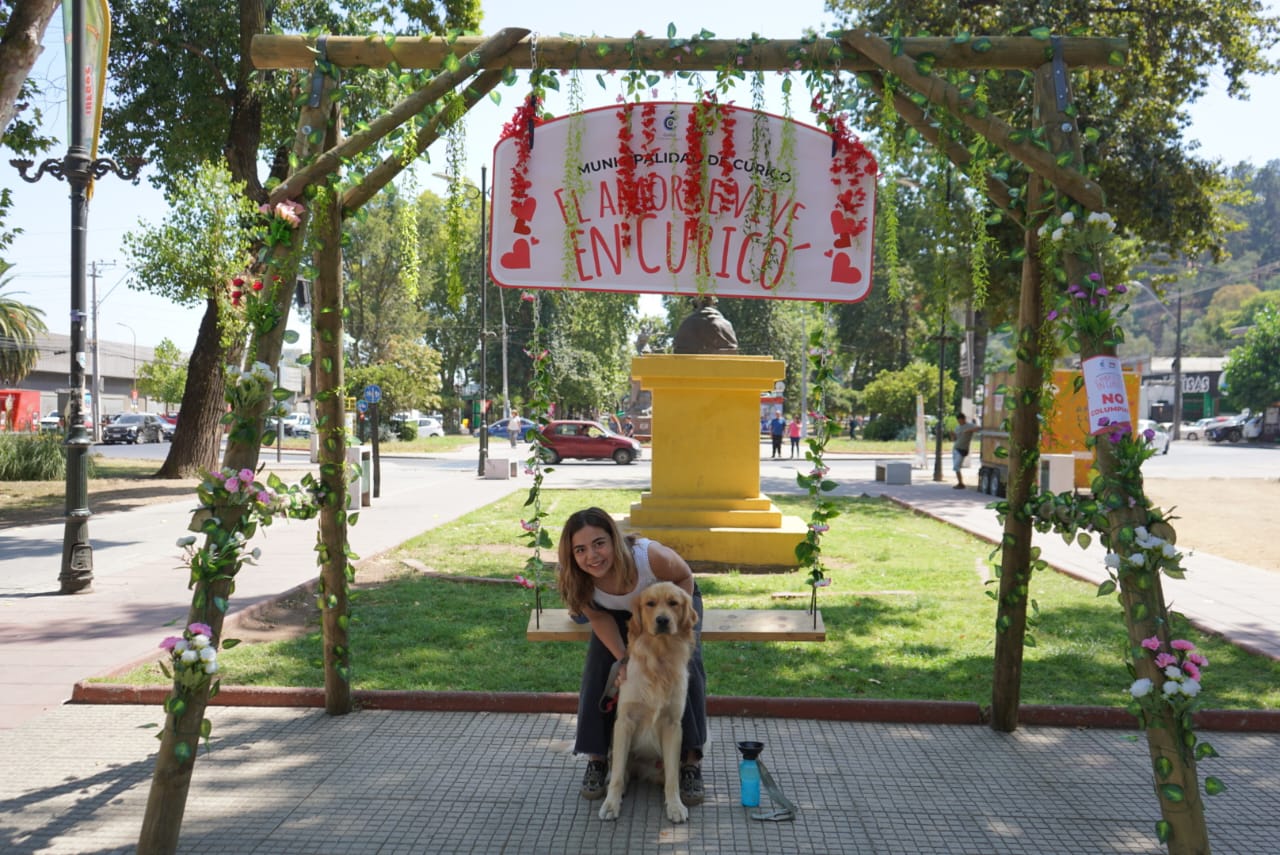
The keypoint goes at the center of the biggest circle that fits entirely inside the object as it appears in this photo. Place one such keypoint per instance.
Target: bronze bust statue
(705, 330)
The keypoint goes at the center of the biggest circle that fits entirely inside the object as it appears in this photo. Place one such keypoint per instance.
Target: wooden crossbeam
(660, 54)
(717, 625)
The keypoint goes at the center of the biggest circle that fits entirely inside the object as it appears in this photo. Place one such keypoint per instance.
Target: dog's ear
(688, 614)
(635, 626)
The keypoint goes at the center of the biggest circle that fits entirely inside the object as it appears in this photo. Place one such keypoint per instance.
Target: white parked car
(1159, 441)
(428, 426)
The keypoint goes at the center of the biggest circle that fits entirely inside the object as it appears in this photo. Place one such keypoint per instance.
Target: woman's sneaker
(691, 791)
(595, 780)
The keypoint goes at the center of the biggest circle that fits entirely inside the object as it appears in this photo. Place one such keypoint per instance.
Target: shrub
(408, 431)
(882, 428)
(34, 457)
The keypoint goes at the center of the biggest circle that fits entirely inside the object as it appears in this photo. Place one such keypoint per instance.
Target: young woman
(793, 432)
(600, 571)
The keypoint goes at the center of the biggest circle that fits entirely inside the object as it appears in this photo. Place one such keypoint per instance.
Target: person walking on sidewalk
(959, 451)
(600, 571)
(793, 432)
(776, 428)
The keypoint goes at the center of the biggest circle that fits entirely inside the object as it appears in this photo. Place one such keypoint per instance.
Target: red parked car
(586, 440)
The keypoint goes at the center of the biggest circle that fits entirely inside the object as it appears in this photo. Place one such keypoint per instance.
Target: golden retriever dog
(647, 732)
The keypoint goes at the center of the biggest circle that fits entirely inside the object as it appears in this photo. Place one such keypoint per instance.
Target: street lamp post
(78, 168)
(484, 326)
(133, 388)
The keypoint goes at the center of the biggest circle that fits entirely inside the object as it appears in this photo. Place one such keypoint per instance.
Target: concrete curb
(818, 709)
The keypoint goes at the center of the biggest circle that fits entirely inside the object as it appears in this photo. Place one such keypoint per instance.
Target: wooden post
(326, 343)
(1024, 457)
(1174, 777)
(171, 781)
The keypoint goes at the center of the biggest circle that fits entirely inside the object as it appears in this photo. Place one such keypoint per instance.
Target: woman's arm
(606, 629)
(668, 566)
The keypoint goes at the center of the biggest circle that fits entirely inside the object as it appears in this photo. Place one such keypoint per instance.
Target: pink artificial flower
(1052, 316)
(200, 629)
(1152, 643)
(527, 297)
(288, 211)
(817, 472)
(822, 583)
(264, 208)
(1181, 644)
(1197, 659)
(169, 642)
(1192, 670)
(524, 583)
(1095, 277)
(232, 485)
(264, 497)
(1164, 660)
(246, 475)
(529, 526)
(819, 528)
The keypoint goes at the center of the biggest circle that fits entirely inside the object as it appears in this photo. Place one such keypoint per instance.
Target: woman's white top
(644, 578)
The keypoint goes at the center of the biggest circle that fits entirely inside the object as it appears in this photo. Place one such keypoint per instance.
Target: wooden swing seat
(717, 625)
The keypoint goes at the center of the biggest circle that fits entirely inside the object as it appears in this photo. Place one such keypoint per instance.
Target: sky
(1231, 130)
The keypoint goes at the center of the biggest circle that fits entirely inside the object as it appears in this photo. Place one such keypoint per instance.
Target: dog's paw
(677, 812)
(611, 808)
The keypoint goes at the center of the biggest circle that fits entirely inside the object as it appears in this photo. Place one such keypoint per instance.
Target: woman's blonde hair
(576, 587)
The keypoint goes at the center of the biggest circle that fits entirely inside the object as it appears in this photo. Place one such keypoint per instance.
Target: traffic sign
(362, 406)
(373, 393)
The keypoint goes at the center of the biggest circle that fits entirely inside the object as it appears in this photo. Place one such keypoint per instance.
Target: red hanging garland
(527, 117)
(850, 161)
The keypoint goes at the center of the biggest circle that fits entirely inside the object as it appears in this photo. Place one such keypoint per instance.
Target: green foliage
(35, 457)
(409, 376)
(19, 326)
(1251, 376)
(893, 393)
(202, 244)
(165, 377)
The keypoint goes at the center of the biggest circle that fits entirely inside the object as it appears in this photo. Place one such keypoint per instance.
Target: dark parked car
(132, 428)
(586, 440)
(168, 425)
(499, 429)
(1230, 430)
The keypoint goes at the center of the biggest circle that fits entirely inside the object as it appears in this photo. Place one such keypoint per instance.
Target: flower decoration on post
(193, 663)
(282, 219)
(539, 404)
(815, 482)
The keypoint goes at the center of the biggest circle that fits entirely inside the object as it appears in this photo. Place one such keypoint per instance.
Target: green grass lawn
(906, 618)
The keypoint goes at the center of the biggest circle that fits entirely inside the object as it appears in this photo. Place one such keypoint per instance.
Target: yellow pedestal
(705, 500)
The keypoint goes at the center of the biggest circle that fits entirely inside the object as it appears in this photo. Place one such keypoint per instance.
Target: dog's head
(663, 608)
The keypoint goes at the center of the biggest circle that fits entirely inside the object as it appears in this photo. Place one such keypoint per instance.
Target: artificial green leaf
(1213, 786)
(1173, 792)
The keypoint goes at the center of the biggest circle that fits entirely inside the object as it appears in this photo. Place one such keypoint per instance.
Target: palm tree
(19, 326)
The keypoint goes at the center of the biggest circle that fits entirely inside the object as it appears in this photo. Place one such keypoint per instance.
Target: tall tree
(193, 257)
(22, 26)
(185, 92)
(164, 378)
(19, 326)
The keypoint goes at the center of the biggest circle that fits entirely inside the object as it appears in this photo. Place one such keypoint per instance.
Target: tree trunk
(19, 49)
(1024, 457)
(198, 438)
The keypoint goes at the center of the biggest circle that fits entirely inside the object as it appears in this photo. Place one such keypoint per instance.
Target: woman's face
(593, 551)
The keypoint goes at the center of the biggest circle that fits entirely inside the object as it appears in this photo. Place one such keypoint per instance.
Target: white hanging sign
(721, 200)
(1104, 388)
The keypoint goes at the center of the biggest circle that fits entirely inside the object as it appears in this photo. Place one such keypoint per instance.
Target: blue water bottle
(749, 773)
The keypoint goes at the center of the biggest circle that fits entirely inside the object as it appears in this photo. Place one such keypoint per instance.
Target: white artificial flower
(200, 641)
(1190, 688)
(1058, 234)
(1169, 551)
(1173, 672)
(211, 667)
(1137, 558)
(180, 645)
(1140, 688)
(190, 656)
(1112, 560)
(1068, 218)
(1170, 688)
(208, 654)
